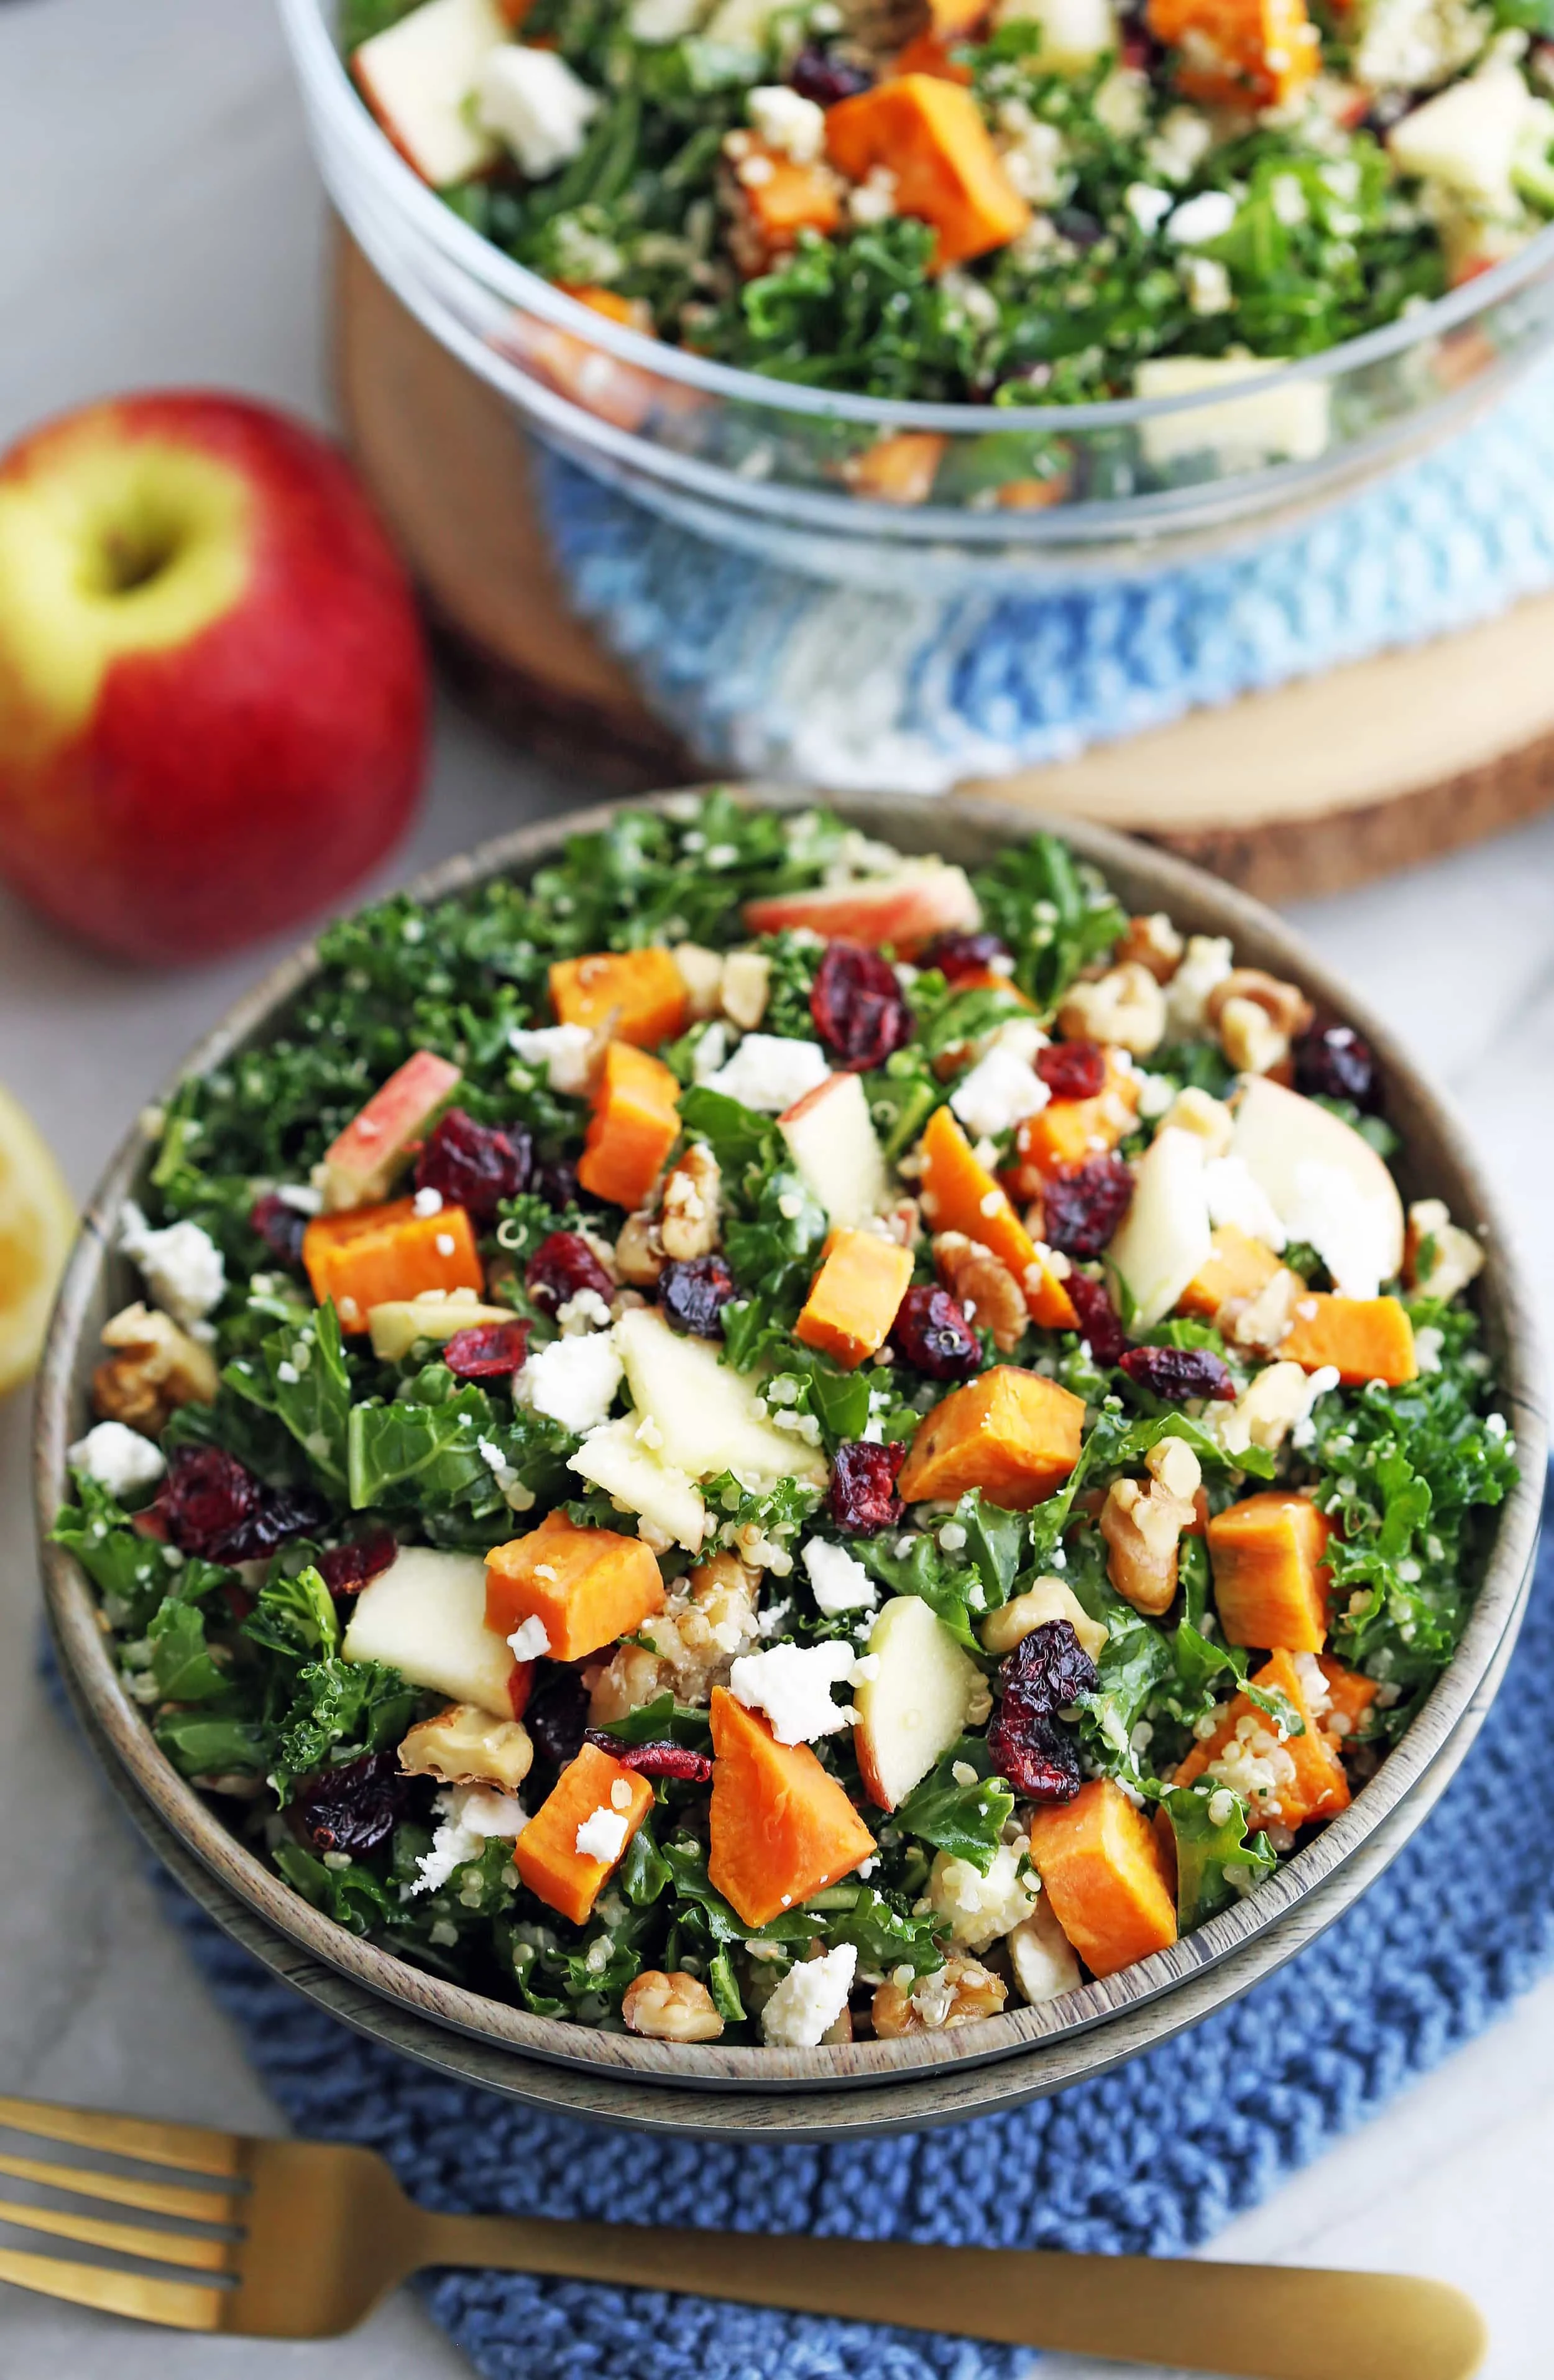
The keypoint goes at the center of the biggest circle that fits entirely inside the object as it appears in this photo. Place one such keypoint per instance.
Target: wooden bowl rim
(970, 831)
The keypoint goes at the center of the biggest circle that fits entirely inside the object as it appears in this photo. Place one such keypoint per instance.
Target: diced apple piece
(708, 1416)
(907, 909)
(361, 1162)
(1074, 33)
(418, 76)
(916, 1706)
(1467, 138)
(1325, 1184)
(395, 1326)
(1165, 1238)
(1285, 424)
(831, 1140)
(426, 1616)
(614, 1458)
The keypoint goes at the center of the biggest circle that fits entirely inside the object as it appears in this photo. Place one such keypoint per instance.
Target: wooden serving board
(1313, 786)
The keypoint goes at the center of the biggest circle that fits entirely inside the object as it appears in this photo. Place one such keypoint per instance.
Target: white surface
(159, 223)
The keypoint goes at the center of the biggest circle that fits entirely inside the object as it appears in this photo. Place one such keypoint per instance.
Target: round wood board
(1304, 790)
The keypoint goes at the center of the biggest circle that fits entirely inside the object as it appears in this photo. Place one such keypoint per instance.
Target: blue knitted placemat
(764, 671)
(1152, 2159)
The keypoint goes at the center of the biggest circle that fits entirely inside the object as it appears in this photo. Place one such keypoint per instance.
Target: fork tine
(188, 2146)
(177, 2305)
(120, 2189)
(183, 2248)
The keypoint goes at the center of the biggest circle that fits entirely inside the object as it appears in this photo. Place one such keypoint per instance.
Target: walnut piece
(1047, 1599)
(670, 2008)
(153, 1369)
(985, 1289)
(709, 1621)
(640, 1256)
(1153, 943)
(1125, 1007)
(1440, 1257)
(689, 1217)
(1265, 1320)
(1143, 1525)
(960, 1992)
(1251, 1042)
(1199, 1112)
(465, 1746)
(1283, 1004)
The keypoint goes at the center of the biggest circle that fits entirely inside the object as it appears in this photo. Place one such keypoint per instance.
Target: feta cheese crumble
(534, 103)
(563, 1053)
(181, 1265)
(792, 1684)
(785, 120)
(573, 1380)
(1000, 1092)
(768, 1074)
(468, 1817)
(119, 1460)
(839, 1582)
(603, 1836)
(809, 1999)
(529, 1640)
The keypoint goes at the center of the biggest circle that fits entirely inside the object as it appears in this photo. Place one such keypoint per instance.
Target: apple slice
(905, 909)
(436, 1315)
(708, 1416)
(1325, 1183)
(417, 77)
(614, 1458)
(831, 1140)
(1165, 1238)
(360, 1163)
(426, 1616)
(915, 1705)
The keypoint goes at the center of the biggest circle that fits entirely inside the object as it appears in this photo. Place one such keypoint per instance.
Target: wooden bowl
(863, 2085)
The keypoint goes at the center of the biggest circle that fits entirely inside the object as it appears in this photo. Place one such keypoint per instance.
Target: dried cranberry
(863, 1496)
(489, 1352)
(351, 1808)
(557, 1716)
(215, 1508)
(556, 1183)
(279, 1226)
(694, 1292)
(474, 1165)
(1026, 1742)
(1072, 1070)
(1180, 1372)
(1101, 1325)
(860, 1009)
(958, 956)
(934, 1336)
(560, 1268)
(819, 74)
(673, 1760)
(1337, 1064)
(1078, 226)
(1083, 1208)
(346, 1570)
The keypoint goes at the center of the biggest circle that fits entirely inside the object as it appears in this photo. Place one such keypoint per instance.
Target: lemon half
(37, 1225)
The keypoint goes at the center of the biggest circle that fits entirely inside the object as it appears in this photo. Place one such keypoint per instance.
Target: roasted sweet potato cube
(635, 1123)
(932, 137)
(1363, 1338)
(1238, 53)
(1239, 1266)
(1308, 1779)
(1350, 1697)
(595, 1796)
(780, 197)
(1104, 1877)
(636, 996)
(781, 1828)
(959, 1195)
(898, 470)
(1271, 1582)
(1014, 1434)
(586, 1586)
(377, 1255)
(855, 1295)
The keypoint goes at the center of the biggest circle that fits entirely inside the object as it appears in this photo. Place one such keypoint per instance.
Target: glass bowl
(1044, 494)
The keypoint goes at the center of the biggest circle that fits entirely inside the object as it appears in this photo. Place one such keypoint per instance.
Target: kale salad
(1034, 202)
(755, 1438)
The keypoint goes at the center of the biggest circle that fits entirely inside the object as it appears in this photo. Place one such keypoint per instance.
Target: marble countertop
(161, 224)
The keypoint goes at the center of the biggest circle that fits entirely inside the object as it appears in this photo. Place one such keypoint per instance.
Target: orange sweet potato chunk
(1246, 53)
(1271, 1582)
(1239, 1266)
(898, 470)
(587, 1586)
(1067, 1132)
(1011, 1433)
(636, 1122)
(931, 54)
(1104, 1877)
(637, 996)
(1319, 1788)
(1364, 1338)
(780, 197)
(380, 1254)
(932, 138)
(781, 1828)
(855, 1295)
(958, 1194)
(1350, 1697)
(546, 1853)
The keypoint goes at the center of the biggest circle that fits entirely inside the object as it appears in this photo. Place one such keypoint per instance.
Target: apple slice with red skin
(904, 910)
(918, 1703)
(831, 1140)
(360, 1163)
(213, 686)
(417, 77)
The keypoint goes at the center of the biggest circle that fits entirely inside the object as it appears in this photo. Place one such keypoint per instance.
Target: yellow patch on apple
(110, 547)
(37, 1225)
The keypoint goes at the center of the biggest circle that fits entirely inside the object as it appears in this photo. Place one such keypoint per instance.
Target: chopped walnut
(904, 1223)
(1153, 943)
(1257, 1018)
(1049, 1599)
(689, 1218)
(1127, 1008)
(958, 1993)
(670, 2008)
(1143, 1526)
(153, 1369)
(747, 988)
(464, 1745)
(701, 972)
(1276, 1400)
(640, 1252)
(1264, 1321)
(1440, 1257)
(1194, 1110)
(985, 1289)
(709, 1620)
(1251, 1042)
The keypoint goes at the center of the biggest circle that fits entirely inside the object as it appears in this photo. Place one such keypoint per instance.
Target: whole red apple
(212, 684)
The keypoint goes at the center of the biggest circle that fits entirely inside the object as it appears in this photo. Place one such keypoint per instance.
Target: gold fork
(301, 2239)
